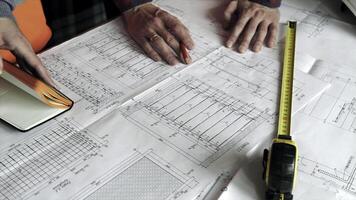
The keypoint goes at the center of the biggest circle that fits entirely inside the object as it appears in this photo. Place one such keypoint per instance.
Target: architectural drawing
(140, 176)
(331, 178)
(198, 111)
(103, 68)
(30, 164)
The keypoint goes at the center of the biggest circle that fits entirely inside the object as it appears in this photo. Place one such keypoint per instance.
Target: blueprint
(145, 130)
(104, 67)
(325, 133)
(180, 138)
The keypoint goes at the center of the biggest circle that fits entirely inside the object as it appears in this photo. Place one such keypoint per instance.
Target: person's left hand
(12, 39)
(157, 32)
(252, 25)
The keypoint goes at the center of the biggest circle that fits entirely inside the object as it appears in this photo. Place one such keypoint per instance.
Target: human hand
(157, 32)
(12, 39)
(255, 25)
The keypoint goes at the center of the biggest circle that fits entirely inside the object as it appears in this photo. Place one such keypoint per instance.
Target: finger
(229, 11)
(163, 49)
(248, 33)
(272, 35)
(170, 40)
(260, 36)
(24, 50)
(1, 65)
(178, 30)
(239, 26)
(147, 48)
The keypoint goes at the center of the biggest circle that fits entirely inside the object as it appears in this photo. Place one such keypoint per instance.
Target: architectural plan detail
(202, 122)
(33, 163)
(141, 176)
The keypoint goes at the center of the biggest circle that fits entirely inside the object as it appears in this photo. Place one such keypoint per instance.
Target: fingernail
(156, 58)
(242, 49)
(257, 47)
(271, 43)
(189, 45)
(172, 62)
(229, 44)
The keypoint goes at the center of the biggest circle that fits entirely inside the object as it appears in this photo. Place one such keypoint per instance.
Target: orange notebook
(26, 102)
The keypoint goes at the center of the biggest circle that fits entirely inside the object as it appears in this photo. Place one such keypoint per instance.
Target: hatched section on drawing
(143, 180)
(29, 164)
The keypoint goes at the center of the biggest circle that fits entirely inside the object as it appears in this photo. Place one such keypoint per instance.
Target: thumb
(229, 11)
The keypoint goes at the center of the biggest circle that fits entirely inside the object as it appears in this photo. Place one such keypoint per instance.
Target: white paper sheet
(104, 67)
(325, 133)
(179, 139)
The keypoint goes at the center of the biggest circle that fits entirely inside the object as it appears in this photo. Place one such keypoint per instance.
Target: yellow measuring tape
(280, 162)
(285, 107)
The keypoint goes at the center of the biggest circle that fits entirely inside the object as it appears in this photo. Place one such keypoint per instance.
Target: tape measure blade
(285, 108)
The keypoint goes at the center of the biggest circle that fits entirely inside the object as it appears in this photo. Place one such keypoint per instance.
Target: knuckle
(248, 12)
(254, 9)
(176, 27)
(263, 27)
(259, 41)
(170, 39)
(244, 43)
(152, 21)
(150, 52)
(259, 13)
(227, 14)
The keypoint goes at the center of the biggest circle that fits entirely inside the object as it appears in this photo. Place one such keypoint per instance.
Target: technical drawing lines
(98, 94)
(114, 54)
(344, 115)
(202, 121)
(314, 24)
(343, 179)
(141, 176)
(256, 75)
(337, 106)
(27, 165)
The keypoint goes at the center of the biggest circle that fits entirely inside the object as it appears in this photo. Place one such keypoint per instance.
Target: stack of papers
(141, 129)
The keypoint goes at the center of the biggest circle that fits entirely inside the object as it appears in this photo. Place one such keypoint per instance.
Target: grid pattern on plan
(28, 164)
(209, 121)
(144, 180)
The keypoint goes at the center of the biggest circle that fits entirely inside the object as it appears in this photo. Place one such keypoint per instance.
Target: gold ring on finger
(154, 37)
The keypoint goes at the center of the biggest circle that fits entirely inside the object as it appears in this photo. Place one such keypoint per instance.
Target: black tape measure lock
(280, 163)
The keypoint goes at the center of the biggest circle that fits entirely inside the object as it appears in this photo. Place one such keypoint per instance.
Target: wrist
(268, 3)
(136, 9)
(125, 5)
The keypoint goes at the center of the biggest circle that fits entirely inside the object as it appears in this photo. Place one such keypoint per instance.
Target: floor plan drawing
(103, 68)
(200, 114)
(140, 176)
(337, 105)
(203, 122)
(333, 179)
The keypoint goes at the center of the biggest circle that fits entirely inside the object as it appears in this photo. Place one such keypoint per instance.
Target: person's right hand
(12, 39)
